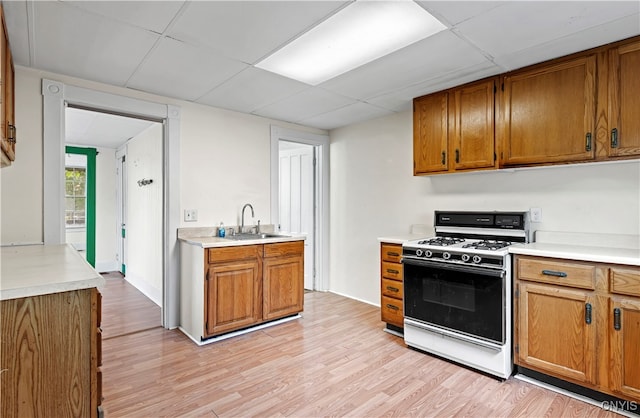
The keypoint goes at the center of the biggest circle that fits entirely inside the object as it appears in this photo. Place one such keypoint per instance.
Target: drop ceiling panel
(249, 30)
(440, 54)
(176, 69)
(71, 41)
(454, 12)
(609, 32)
(347, 115)
(518, 26)
(150, 15)
(251, 89)
(17, 26)
(311, 102)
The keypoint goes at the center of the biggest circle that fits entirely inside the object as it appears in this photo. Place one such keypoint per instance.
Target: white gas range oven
(457, 288)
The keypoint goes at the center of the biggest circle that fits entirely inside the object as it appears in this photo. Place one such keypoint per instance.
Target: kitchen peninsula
(231, 285)
(51, 344)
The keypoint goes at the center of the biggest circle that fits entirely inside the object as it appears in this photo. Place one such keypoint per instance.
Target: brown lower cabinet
(580, 322)
(391, 285)
(51, 354)
(250, 284)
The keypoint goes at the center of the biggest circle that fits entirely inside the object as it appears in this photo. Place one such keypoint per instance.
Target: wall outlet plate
(190, 215)
(535, 215)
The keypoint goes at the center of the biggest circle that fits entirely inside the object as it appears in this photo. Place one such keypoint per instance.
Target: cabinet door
(430, 134)
(471, 126)
(624, 338)
(624, 100)
(554, 334)
(549, 114)
(233, 296)
(283, 286)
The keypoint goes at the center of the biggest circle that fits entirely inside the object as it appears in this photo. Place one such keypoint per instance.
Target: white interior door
(296, 191)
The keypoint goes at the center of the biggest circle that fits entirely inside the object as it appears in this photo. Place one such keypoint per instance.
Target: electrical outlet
(190, 215)
(535, 214)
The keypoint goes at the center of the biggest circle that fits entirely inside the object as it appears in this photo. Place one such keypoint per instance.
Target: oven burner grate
(442, 241)
(491, 245)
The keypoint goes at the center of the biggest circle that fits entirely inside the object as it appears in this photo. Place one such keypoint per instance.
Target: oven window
(463, 301)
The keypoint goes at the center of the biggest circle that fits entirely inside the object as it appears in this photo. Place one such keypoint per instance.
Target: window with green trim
(75, 196)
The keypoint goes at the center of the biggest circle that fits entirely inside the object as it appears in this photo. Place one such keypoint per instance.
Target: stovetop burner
(491, 245)
(442, 241)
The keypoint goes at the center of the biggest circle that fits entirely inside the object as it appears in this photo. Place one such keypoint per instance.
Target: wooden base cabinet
(50, 355)
(391, 284)
(225, 289)
(580, 322)
(7, 102)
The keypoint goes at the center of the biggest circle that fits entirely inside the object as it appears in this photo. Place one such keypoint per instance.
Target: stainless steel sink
(246, 236)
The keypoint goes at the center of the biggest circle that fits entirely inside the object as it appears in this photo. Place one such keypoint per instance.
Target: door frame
(56, 95)
(90, 216)
(121, 201)
(321, 143)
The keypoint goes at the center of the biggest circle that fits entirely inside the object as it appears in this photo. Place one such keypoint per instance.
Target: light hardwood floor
(335, 361)
(125, 309)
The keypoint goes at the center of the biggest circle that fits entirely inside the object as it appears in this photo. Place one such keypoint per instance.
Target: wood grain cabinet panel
(564, 273)
(391, 285)
(624, 100)
(49, 356)
(549, 113)
(283, 286)
(233, 296)
(555, 335)
(430, 134)
(624, 336)
(7, 98)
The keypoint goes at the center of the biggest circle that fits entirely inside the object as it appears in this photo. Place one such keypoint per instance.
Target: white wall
(106, 225)
(373, 194)
(224, 160)
(144, 213)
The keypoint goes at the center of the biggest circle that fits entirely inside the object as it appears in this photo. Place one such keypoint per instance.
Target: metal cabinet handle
(616, 319)
(457, 155)
(395, 308)
(554, 273)
(587, 313)
(393, 254)
(614, 138)
(587, 146)
(393, 289)
(444, 157)
(393, 271)
(11, 133)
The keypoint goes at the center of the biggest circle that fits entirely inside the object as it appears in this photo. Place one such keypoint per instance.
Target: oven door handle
(455, 267)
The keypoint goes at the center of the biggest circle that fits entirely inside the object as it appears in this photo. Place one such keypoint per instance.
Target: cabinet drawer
(392, 311)
(392, 288)
(241, 252)
(282, 249)
(392, 270)
(391, 252)
(562, 273)
(625, 281)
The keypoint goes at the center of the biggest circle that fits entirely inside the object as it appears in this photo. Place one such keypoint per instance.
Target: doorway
(300, 196)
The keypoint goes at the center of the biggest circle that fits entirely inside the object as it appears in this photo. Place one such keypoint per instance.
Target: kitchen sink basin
(245, 236)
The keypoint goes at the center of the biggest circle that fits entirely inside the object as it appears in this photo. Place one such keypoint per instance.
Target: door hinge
(517, 292)
(502, 87)
(495, 89)
(517, 348)
(495, 156)
(124, 158)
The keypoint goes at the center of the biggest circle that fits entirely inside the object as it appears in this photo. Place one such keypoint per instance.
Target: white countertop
(401, 239)
(34, 270)
(578, 252)
(214, 242)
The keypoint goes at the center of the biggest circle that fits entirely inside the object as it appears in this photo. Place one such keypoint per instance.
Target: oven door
(461, 299)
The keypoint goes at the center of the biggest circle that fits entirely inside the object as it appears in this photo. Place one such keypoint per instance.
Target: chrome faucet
(252, 215)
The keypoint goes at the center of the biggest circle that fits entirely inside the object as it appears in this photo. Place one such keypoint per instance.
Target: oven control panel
(455, 256)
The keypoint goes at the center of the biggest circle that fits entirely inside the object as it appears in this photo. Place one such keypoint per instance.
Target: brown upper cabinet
(579, 108)
(454, 130)
(7, 110)
(548, 113)
(624, 100)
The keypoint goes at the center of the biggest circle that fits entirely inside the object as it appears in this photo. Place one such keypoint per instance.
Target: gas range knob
(428, 253)
(465, 257)
(419, 253)
(477, 259)
(446, 255)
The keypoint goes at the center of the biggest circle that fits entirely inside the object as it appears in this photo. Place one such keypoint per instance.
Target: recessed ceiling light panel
(356, 35)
